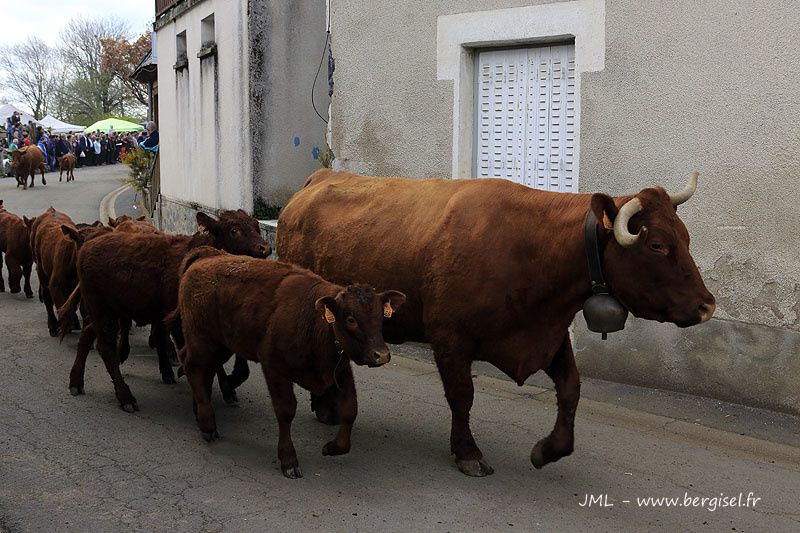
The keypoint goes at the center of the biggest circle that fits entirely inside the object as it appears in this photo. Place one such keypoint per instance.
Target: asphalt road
(81, 464)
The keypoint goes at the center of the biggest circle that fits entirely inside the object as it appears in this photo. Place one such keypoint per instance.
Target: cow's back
(439, 241)
(135, 274)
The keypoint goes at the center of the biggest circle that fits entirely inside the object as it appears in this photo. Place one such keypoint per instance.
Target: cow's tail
(68, 310)
(202, 252)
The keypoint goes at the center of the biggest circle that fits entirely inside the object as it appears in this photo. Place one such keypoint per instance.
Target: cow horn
(624, 237)
(687, 192)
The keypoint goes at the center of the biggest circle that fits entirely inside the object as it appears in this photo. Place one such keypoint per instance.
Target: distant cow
(134, 277)
(301, 328)
(15, 246)
(495, 271)
(66, 163)
(26, 161)
(129, 224)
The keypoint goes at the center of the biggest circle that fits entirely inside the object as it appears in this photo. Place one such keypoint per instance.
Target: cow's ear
(604, 207)
(142, 218)
(28, 221)
(97, 224)
(326, 306)
(391, 301)
(207, 222)
(72, 233)
(112, 222)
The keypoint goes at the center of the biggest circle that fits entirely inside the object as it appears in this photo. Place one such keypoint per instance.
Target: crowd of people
(90, 149)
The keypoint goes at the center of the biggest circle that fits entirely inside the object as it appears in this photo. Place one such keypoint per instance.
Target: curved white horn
(624, 237)
(687, 192)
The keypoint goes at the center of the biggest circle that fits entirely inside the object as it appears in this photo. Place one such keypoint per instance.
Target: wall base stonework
(729, 360)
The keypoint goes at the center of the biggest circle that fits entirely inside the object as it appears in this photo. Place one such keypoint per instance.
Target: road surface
(81, 464)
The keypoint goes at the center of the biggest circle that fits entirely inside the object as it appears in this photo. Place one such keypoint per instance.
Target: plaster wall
(682, 86)
(204, 109)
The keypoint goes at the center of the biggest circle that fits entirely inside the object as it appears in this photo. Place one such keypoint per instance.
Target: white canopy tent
(7, 109)
(57, 126)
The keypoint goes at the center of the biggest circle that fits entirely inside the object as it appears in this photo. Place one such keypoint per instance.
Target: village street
(82, 464)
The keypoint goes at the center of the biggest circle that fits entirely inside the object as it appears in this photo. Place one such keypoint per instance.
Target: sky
(45, 18)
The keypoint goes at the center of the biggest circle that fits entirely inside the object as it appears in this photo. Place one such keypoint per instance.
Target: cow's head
(647, 261)
(235, 232)
(356, 314)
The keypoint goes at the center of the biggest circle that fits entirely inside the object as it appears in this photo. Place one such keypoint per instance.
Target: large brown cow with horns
(494, 271)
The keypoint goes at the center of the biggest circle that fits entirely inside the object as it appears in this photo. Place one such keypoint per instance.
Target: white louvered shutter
(526, 117)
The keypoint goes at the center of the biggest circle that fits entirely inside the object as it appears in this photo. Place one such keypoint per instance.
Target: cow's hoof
(168, 379)
(29, 295)
(53, 332)
(544, 453)
(326, 413)
(130, 407)
(474, 467)
(292, 472)
(76, 391)
(44, 182)
(231, 398)
(332, 448)
(210, 436)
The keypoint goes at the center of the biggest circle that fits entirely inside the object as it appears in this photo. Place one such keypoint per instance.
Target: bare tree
(30, 68)
(92, 91)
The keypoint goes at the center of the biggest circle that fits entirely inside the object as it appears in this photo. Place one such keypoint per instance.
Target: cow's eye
(658, 248)
(351, 322)
(234, 232)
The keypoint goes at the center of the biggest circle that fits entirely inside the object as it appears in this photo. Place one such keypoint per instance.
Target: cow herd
(29, 160)
(480, 269)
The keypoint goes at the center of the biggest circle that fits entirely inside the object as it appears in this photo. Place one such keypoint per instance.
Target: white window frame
(458, 36)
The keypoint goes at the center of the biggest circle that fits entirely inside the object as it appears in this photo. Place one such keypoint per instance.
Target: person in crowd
(98, 148)
(50, 144)
(151, 142)
(9, 130)
(42, 144)
(26, 140)
(82, 150)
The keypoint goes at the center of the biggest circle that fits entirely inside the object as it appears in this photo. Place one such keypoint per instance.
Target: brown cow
(495, 271)
(15, 244)
(134, 276)
(66, 163)
(132, 225)
(301, 328)
(55, 255)
(25, 162)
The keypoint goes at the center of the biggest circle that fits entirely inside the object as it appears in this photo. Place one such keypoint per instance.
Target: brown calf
(15, 245)
(301, 328)
(54, 254)
(134, 277)
(25, 162)
(66, 163)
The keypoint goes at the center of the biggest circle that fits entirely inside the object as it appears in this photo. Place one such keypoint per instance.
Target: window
(525, 124)
(208, 45)
(181, 57)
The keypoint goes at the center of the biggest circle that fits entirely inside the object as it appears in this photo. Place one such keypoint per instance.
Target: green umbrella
(116, 124)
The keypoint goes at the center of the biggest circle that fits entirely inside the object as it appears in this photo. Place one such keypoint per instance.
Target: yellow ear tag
(329, 318)
(387, 310)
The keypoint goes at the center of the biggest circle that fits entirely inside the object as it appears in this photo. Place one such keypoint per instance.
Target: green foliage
(265, 211)
(139, 160)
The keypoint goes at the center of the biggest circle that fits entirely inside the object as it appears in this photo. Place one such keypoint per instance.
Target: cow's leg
(199, 367)
(2, 283)
(228, 384)
(107, 346)
(47, 299)
(284, 402)
(76, 375)
(41, 169)
(14, 274)
(124, 345)
(455, 371)
(163, 347)
(61, 173)
(564, 373)
(26, 273)
(347, 404)
(324, 406)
